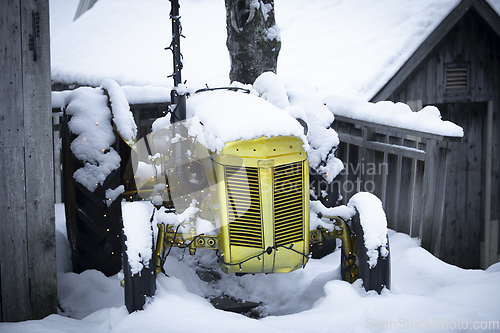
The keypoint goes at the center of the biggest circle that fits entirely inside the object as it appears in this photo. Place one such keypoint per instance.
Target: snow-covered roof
(345, 46)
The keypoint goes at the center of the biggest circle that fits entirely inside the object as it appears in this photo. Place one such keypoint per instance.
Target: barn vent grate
(456, 78)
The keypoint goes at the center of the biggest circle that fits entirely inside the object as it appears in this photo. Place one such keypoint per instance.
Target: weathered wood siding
(27, 224)
(472, 44)
(405, 169)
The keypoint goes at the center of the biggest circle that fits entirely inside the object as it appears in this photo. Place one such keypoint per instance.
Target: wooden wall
(27, 225)
(405, 169)
(471, 43)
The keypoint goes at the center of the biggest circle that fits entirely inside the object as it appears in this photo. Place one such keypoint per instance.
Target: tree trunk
(253, 39)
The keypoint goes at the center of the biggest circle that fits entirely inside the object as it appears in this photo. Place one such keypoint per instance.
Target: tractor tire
(94, 228)
(357, 266)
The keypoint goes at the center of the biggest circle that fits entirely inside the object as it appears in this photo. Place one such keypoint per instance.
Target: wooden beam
(488, 259)
(14, 292)
(27, 251)
(429, 195)
(409, 152)
(38, 158)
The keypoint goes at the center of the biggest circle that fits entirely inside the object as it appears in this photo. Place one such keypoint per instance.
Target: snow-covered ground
(427, 295)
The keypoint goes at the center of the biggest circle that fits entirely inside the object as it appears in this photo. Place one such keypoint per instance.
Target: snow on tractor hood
(235, 115)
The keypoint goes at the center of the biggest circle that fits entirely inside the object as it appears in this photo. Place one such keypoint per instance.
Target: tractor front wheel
(355, 262)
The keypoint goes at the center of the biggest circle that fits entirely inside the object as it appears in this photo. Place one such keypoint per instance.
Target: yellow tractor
(229, 174)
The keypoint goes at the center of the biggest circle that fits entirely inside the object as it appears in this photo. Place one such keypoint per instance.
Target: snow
(147, 94)
(125, 40)
(344, 46)
(91, 122)
(427, 295)
(138, 228)
(427, 120)
(374, 224)
(270, 88)
(120, 109)
(342, 211)
(372, 218)
(228, 116)
(353, 46)
(265, 8)
(61, 14)
(325, 46)
(181, 221)
(306, 103)
(112, 194)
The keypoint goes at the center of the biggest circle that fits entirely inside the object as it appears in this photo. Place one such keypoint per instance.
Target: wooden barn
(457, 69)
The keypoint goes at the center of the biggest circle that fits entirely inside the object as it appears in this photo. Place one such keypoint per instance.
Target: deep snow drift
(427, 295)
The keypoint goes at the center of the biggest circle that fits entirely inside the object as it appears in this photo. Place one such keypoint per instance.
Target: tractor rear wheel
(94, 227)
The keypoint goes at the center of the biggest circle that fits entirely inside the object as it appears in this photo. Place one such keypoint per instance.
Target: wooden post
(27, 224)
(429, 194)
(489, 256)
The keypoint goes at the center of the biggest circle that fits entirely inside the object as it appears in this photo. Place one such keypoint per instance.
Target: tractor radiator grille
(245, 221)
(288, 203)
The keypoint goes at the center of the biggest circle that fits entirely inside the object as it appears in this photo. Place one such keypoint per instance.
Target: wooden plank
(469, 254)
(395, 163)
(488, 186)
(441, 181)
(429, 194)
(417, 198)
(11, 125)
(353, 164)
(344, 173)
(430, 80)
(38, 158)
(412, 153)
(14, 291)
(15, 305)
(408, 152)
(352, 140)
(405, 196)
(28, 268)
(493, 249)
(378, 176)
(454, 176)
(390, 192)
(367, 158)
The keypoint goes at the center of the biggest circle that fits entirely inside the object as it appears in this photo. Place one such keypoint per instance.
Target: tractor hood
(228, 116)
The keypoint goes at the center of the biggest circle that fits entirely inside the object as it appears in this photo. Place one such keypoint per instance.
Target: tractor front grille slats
(243, 195)
(288, 203)
(245, 216)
